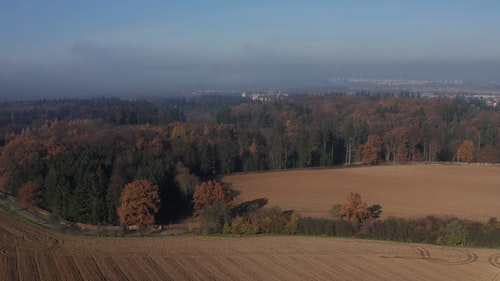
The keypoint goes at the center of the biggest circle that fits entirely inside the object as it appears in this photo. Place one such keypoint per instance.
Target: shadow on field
(249, 206)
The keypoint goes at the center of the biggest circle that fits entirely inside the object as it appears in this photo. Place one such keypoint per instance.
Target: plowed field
(468, 191)
(28, 252)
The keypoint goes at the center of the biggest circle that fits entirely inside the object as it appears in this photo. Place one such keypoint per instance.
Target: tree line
(353, 218)
(76, 157)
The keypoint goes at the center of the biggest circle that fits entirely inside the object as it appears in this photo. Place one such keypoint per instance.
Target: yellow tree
(139, 203)
(465, 152)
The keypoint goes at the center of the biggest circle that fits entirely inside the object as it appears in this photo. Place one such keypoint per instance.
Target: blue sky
(110, 47)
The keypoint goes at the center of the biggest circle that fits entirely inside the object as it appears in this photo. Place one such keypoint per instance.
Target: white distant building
(429, 95)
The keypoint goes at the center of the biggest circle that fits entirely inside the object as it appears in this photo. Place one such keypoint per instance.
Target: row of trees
(428, 229)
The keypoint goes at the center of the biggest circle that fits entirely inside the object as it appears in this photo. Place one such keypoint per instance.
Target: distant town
(448, 88)
(488, 91)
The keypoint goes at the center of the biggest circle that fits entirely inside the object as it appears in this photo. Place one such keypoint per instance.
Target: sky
(60, 48)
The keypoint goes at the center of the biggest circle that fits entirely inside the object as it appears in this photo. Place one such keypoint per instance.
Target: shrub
(270, 221)
(491, 237)
(292, 226)
(430, 229)
(249, 229)
(456, 233)
(213, 217)
(254, 220)
(319, 226)
(335, 210)
(226, 229)
(238, 225)
(375, 211)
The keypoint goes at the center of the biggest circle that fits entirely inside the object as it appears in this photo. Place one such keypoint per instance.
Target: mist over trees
(75, 157)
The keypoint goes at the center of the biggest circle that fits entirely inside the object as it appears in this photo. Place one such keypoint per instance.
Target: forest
(74, 157)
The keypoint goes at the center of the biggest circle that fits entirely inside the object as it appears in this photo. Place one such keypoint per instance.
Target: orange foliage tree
(139, 203)
(207, 193)
(371, 149)
(5, 181)
(489, 154)
(30, 194)
(465, 152)
(20, 154)
(354, 209)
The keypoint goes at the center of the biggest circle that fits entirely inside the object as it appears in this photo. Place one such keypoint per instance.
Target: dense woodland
(74, 157)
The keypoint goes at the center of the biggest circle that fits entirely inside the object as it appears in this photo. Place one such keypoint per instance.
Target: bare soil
(29, 252)
(465, 191)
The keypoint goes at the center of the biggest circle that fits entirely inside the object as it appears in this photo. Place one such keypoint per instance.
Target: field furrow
(47, 267)
(88, 268)
(27, 268)
(247, 269)
(274, 269)
(311, 265)
(67, 268)
(160, 271)
(216, 264)
(8, 268)
(171, 269)
(189, 264)
(294, 268)
(130, 267)
(110, 269)
(232, 268)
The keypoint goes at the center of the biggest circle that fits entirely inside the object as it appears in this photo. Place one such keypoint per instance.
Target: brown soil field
(29, 252)
(465, 191)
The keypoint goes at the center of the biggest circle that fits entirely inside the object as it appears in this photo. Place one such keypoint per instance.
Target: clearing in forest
(465, 191)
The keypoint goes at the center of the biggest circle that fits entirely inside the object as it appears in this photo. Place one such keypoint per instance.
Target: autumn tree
(354, 209)
(5, 181)
(465, 152)
(489, 154)
(19, 161)
(139, 202)
(30, 194)
(371, 149)
(207, 193)
(396, 141)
